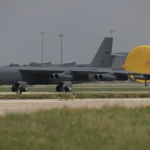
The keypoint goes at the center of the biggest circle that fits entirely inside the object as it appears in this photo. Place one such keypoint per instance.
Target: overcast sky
(83, 22)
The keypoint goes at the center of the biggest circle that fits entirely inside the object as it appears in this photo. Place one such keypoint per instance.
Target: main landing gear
(61, 88)
(19, 89)
(146, 84)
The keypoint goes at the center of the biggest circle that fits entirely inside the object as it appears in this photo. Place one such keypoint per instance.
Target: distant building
(14, 65)
(120, 59)
(86, 65)
(35, 64)
(69, 64)
(47, 64)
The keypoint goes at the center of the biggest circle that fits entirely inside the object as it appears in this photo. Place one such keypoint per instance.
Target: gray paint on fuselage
(10, 76)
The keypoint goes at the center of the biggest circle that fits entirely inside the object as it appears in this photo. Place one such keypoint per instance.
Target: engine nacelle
(105, 77)
(62, 76)
(51, 77)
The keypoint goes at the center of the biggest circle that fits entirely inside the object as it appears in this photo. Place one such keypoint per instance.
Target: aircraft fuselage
(10, 76)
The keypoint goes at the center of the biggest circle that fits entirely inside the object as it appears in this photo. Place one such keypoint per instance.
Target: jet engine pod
(62, 76)
(51, 77)
(96, 76)
(105, 77)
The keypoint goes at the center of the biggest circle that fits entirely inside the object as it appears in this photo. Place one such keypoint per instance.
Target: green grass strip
(109, 128)
(78, 96)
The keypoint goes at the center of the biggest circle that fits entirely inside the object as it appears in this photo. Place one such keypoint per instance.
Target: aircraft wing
(69, 73)
(75, 71)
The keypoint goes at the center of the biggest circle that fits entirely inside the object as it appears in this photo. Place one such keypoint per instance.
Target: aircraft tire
(26, 89)
(61, 88)
(13, 88)
(146, 84)
(68, 89)
(57, 88)
(19, 91)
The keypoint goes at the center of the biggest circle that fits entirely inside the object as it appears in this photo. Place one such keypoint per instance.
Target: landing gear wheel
(13, 88)
(19, 91)
(68, 89)
(26, 89)
(59, 88)
(146, 84)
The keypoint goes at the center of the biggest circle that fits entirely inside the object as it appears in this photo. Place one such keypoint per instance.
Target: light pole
(111, 31)
(61, 35)
(42, 46)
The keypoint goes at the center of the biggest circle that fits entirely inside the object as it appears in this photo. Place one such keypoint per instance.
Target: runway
(30, 105)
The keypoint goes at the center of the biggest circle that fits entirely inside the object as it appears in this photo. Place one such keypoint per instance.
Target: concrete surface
(33, 104)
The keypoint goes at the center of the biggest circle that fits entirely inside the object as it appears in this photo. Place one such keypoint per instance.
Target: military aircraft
(64, 77)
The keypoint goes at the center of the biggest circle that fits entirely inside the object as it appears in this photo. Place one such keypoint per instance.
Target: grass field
(109, 128)
(70, 96)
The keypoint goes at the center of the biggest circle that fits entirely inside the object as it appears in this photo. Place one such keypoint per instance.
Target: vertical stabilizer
(103, 56)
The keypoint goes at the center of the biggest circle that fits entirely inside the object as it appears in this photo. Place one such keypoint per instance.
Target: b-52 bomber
(64, 77)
